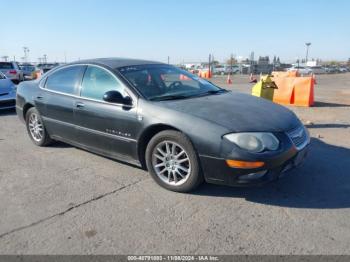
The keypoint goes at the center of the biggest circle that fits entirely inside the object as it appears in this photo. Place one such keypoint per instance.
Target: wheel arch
(146, 136)
(26, 107)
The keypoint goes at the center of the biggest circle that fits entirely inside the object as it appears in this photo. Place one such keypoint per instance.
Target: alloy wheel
(171, 163)
(36, 127)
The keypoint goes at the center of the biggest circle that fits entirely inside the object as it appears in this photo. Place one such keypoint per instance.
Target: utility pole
(168, 60)
(209, 64)
(45, 59)
(307, 51)
(26, 51)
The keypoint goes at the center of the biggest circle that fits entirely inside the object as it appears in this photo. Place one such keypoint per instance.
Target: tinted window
(65, 80)
(6, 66)
(97, 82)
(158, 82)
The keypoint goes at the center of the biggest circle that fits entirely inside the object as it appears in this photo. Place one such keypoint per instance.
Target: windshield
(163, 82)
(28, 68)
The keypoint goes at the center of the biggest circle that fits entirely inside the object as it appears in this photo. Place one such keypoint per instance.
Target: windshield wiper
(212, 92)
(168, 97)
(174, 97)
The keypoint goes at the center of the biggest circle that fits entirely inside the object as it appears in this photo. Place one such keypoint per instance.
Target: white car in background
(301, 69)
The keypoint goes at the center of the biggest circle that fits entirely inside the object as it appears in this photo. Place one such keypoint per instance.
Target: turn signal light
(244, 164)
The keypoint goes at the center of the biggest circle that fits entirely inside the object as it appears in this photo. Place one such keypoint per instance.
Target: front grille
(7, 103)
(299, 137)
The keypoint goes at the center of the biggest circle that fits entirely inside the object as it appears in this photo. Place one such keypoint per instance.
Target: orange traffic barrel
(304, 91)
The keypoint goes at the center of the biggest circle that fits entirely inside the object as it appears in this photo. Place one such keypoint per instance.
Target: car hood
(238, 112)
(6, 86)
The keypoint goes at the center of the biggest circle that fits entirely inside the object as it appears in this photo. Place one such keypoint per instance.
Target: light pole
(26, 51)
(209, 64)
(307, 51)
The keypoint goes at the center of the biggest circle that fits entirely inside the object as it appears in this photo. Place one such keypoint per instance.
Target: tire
(166, 156)
(36, 129)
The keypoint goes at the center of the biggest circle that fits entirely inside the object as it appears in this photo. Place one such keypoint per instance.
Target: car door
(56, 98)
(105, 127)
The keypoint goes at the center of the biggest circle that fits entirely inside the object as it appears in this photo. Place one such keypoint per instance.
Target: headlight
(254, 142)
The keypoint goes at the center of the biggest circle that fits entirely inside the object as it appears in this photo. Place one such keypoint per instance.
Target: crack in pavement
(70, 209)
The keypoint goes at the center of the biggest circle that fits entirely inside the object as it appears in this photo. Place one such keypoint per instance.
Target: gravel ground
(63, 200)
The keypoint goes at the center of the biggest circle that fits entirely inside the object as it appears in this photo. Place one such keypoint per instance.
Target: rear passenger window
(97, 82)
(65, 80)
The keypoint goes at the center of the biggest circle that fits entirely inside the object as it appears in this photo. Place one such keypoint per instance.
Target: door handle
(79, 105)
(40, 97)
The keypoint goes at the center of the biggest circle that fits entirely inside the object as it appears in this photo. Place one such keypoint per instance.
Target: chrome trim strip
(130, 93)
(90, 130)
(89, 99)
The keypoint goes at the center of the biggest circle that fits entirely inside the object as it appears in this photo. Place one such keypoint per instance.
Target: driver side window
(97, 82)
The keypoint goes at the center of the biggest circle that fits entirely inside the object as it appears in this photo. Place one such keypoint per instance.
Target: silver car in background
(7, 93)
(28, 70)
(12, 71)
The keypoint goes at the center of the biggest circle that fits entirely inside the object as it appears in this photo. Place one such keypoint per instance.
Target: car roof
(116, 62)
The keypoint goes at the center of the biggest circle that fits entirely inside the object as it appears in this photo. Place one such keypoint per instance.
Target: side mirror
(117, 98)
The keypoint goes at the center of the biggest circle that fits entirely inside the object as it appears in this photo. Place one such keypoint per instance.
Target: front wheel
(173, 162)
(36, 128)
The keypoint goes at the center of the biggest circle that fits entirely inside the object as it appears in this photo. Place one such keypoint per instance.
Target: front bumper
(292, 151)
(7, 101)
(216, 171)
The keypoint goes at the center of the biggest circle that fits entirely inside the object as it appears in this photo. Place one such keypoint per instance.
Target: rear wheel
(36, 128)
(173, 162)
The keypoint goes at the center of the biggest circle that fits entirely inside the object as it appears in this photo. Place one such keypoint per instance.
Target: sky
(184, 30)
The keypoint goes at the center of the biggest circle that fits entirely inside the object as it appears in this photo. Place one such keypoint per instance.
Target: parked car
(232, 70)
(7, 93)
(182, 128)
(219, 70)
(318, 70)
(301, 69)
(28, 70)
(330, 70)
(12, 71)
(226, 69)
(343, 70)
